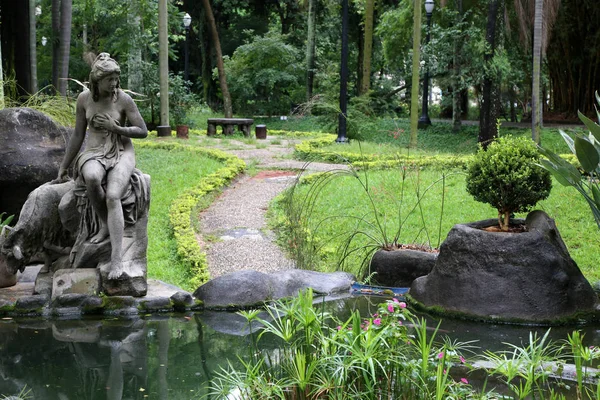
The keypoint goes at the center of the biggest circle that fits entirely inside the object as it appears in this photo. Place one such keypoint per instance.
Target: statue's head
(103, 66)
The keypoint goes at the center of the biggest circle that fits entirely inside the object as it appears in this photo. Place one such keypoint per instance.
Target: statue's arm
(137, 128)
(76, 140)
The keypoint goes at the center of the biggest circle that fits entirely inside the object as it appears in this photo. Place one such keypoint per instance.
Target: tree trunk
(488, 130)
(134, 58)
(17, 62)
(368, 47)
(1, 78)
(163, 67)
(414, 94)
(456, 86)
(310, 48)
(220, 67)
(63, 46)
(536, 111)
(33, 46)
(55, 42)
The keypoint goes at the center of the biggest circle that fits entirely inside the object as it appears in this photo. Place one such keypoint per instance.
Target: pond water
(168, 356)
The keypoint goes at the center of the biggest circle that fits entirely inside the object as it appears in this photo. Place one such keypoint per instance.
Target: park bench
(227, 125)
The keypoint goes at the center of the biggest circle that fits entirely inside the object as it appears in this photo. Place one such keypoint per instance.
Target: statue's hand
(105, 122)
(63, 176)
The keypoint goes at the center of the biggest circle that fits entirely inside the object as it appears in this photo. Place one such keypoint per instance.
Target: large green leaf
(591, 125)
(596, 194)
(568, 140)
(559, 173)
(586, 154)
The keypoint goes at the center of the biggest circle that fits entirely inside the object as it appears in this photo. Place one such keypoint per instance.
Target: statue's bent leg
(116, 185)
(93, 174)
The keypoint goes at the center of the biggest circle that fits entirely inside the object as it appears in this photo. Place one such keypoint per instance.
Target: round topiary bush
(506, 177)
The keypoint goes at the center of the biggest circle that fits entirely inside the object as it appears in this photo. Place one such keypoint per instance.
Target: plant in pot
(181, 100)
(503, 269)
(506, 177)
(374, 237)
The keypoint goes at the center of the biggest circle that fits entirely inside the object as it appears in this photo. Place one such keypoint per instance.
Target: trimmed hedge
(309, 150)
(180, 212)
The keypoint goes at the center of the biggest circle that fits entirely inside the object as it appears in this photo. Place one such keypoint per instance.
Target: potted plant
(181, 100)
(506, 269)
(377, 238)
(507, 177)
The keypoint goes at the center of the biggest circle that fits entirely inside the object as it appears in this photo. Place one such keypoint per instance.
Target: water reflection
(171, 356)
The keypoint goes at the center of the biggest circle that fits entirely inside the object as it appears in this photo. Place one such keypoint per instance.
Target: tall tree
(134, 57)
(414, 94)
(536, 111)
(220, 68)
(456, 86)
(32, 46)
(537, 17)
(489, 105)
(163, 67)
(310, 48)
(368, 47)
(1, 79)
(61, 44)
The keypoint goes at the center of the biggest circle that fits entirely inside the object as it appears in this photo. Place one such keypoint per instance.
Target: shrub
(264, 76)
(506, 176)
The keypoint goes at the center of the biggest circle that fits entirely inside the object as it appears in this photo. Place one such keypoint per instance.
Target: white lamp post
(187, 20)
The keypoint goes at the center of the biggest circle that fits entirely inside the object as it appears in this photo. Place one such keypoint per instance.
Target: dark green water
(164, 357)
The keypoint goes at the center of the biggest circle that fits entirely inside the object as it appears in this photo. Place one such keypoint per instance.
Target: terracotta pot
(182, 131)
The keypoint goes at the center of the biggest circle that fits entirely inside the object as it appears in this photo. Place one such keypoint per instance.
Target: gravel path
(233, 228)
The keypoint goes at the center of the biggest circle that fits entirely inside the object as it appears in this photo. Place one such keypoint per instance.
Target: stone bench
(227, 125)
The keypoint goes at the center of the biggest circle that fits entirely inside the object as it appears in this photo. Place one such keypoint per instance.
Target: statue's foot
(101, 236)
(116, 270)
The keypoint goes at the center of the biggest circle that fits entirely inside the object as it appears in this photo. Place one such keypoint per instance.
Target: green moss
(7, 308)
(580, 318)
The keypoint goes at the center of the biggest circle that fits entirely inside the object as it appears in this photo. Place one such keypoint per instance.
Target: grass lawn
(172, 173)
(343, 206)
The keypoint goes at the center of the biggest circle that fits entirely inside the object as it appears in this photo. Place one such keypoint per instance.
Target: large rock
(31, 150)
(521, 277)
(246, 289)
(399, 268)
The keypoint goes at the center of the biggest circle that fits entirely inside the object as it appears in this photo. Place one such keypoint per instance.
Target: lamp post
(187, 20)
(424, 120)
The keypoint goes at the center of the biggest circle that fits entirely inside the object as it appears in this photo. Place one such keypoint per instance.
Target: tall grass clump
(389, 210)
(320, 357)
(59, 108)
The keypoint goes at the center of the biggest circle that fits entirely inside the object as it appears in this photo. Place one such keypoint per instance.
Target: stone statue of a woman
(104, 169)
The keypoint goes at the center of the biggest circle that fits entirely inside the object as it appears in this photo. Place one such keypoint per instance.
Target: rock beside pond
(399, 268)
(246, 289)
(32, 147)
(521, 277)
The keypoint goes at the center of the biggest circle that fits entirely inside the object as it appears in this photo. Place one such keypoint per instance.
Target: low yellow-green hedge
(180, 212)
(311, 150)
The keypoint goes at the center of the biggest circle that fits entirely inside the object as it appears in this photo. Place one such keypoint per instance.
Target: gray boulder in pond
(32, 147)
(520, 277)
(399, 268)
(245, 289)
